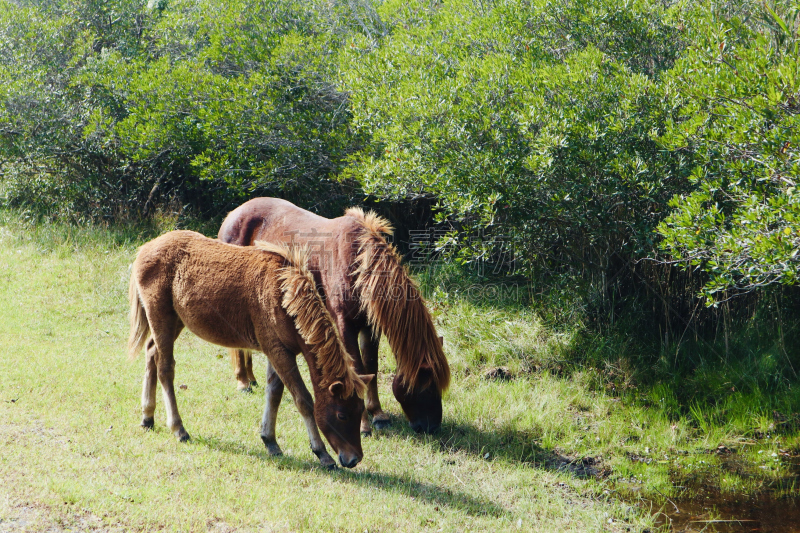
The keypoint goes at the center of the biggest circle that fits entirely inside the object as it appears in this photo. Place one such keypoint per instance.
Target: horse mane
(303, 303)
(393, 304)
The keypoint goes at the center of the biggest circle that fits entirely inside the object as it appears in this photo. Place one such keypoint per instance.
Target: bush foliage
(112, 106)
(639, 151)
(739, 92)
(536, 122)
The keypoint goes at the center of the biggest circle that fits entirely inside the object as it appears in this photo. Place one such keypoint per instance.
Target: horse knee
(305, 406)
(167, 380)
(275, 388)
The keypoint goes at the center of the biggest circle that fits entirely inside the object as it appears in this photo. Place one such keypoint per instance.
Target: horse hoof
(272, 447)
(381, 424)
(183, 436)
(325, 460)
(148, 423)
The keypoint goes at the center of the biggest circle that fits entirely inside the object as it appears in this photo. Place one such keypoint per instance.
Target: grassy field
(537, 452)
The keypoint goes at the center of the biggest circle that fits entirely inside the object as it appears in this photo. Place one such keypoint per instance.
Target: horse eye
(341, 416)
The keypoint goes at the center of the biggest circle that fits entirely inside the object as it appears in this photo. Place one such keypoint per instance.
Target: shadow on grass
(512, 446)
(404, 485)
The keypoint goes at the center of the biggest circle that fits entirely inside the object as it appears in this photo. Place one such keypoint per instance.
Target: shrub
(738, 91)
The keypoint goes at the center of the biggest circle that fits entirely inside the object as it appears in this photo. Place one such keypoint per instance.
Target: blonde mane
(393, 304)
(312, 319)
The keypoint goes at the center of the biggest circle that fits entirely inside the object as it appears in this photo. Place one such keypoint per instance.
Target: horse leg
(286, 366)
(248, 360)
(165, 364)
(350, 340)
(369, 355)
(149, 385)
(240, 370)
(273, 394)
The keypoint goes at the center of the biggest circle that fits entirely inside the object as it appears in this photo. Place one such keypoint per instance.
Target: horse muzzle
(425, 426)
(348, 460)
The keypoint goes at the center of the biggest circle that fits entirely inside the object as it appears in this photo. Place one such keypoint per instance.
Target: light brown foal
(259, 298)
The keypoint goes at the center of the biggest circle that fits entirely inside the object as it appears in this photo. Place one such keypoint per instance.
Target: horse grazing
(261, 298)
(367, 290)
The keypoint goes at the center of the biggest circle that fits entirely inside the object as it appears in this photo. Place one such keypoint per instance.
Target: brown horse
(261, 298)
(368, 291)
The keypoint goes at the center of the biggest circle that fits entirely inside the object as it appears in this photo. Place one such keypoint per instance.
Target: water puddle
(720, 514)
(773, 511)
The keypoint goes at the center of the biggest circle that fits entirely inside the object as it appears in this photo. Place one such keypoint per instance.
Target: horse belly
(217, 322)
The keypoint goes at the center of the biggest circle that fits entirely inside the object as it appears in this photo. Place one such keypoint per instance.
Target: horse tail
(140, 327)
(316, 326)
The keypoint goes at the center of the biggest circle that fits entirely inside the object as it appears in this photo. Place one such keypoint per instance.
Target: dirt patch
(16, 517)
(581, 467)
(501, 373)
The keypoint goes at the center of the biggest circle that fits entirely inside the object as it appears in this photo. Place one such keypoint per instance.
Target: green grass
(542, 451)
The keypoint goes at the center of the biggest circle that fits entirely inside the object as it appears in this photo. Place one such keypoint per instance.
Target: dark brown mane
(393, 304)
(312, 319)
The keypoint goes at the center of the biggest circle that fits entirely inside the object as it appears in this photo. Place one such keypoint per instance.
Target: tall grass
(735, 390)
(742, 368)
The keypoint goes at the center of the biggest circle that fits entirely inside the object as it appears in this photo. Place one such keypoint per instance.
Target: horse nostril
(425, 427)
(353, 461)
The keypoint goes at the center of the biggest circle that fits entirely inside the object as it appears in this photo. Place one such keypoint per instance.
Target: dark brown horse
(368, 291)
(261, 298)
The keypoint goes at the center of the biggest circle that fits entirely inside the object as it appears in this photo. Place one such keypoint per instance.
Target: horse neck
(314, 372)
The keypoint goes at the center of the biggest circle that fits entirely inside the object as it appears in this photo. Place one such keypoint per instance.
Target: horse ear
(336, 388)
(366, 378)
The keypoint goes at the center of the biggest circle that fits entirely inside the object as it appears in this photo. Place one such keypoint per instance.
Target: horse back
(331, 243)
(226, 295)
